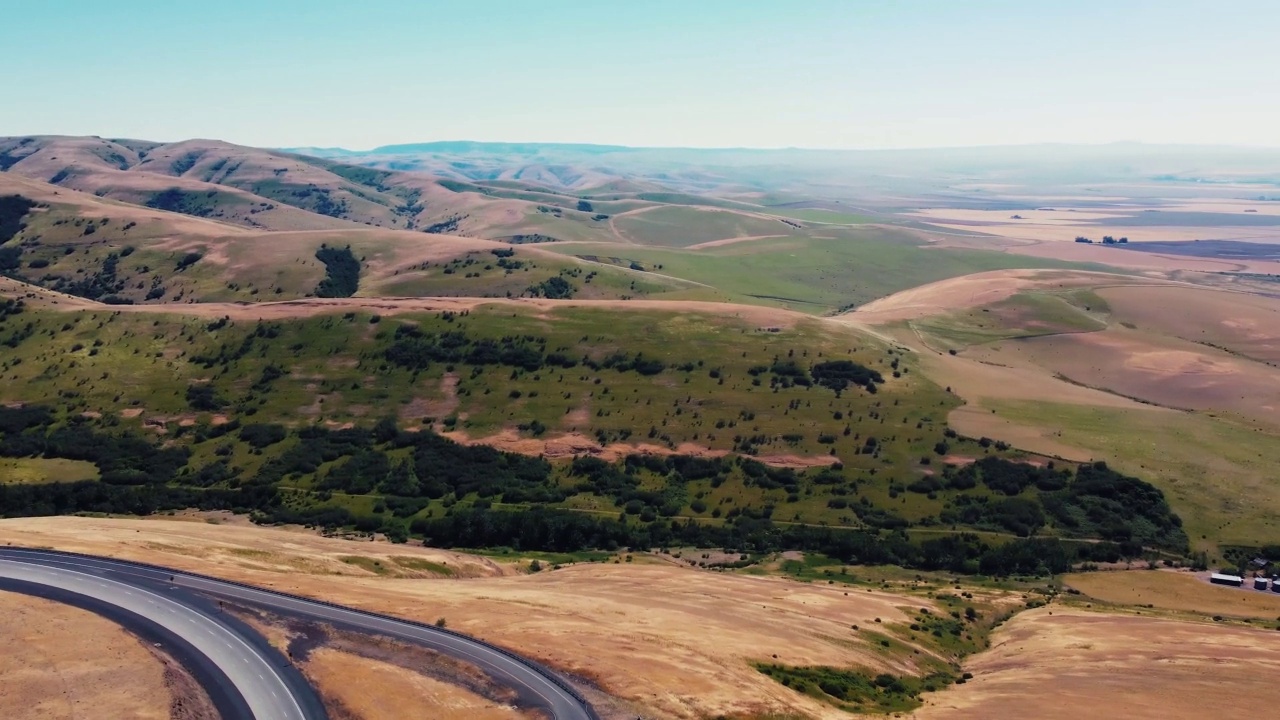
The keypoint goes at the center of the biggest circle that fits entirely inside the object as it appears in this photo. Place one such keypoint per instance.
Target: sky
(675, 73)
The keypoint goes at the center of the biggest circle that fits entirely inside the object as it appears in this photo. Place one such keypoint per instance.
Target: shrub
(341, 270)
(188, 260)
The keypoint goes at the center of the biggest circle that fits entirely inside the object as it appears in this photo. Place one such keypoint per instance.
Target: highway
(177, 601)
(258, 681)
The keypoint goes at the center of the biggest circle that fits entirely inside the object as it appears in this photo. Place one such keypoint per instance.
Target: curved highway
(173, 599)
(256, 679)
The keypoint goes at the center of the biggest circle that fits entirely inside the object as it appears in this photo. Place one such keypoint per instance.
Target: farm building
(1224, 579)
(1259, 583)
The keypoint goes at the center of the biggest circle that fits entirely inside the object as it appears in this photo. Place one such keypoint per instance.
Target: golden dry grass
(234, 544)
(678, 641)
(1178, 591)
(374, 690)
(48, 672)
(1063, 664)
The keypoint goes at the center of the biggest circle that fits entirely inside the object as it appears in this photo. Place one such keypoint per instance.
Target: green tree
(402, 481)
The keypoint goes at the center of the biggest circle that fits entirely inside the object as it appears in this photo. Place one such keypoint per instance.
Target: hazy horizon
(662, 74)
(727, 148)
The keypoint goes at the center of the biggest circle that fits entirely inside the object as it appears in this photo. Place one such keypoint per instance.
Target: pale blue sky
(704, 73)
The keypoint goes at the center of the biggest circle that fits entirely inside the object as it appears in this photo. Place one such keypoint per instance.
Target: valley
(728, 429)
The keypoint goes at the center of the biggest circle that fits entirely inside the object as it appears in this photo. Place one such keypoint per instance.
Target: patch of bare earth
(1064, 664)
(48, 671)
(286, 309)
(573, 444)
(437, 408)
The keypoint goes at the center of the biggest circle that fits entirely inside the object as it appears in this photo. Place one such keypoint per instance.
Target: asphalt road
(536, 686)
(257, 680)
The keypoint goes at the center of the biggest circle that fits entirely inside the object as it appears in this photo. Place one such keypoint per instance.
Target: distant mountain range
(824, 173)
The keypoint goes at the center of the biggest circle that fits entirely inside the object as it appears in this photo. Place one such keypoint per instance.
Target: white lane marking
(456, 645)
(453, 644)
(72, 577)
(492, 657)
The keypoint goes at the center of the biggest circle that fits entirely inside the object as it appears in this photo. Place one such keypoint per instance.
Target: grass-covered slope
(355, 418)
(113, 252)
(810, 271)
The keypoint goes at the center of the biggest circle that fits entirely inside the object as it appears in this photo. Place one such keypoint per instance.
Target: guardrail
(539, 668)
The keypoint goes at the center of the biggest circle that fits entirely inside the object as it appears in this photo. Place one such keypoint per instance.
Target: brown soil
(49, 672)
(758, 315)
(1064, 664)
(574, 444)
(187, 699)
(439, 407)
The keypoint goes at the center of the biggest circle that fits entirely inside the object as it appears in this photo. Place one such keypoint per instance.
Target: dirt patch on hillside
(286, 309)
(1064, 664)
(579, 416)
(575, 444)
(438, 408)
(50, 673)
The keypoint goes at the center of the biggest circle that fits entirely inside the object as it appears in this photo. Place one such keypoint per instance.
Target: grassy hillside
(114, 252)
(353, 419)
(1167, 380)
(828, 270)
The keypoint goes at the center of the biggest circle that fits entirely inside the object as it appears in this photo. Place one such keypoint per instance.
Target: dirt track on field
(286, 309)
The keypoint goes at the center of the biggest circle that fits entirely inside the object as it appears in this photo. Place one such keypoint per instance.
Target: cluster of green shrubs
(1094, 501)
(181, 201)
(341, 272)
(121, 458)
(856, 690)
(553, 288)
(409, 470)
(836, 375)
